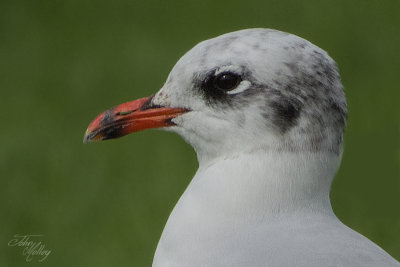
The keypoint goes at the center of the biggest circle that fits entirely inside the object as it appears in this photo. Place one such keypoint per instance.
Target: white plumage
(261, 194)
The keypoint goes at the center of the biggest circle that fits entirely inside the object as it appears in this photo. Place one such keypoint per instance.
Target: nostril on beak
(122, 113)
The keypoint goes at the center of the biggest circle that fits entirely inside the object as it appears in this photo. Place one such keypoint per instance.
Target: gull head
(240, 92)
(254, 89)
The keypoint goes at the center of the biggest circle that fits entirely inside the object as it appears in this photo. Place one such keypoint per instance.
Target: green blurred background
(105, 204)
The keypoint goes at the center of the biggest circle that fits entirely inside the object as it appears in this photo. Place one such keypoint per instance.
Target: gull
(265, 112)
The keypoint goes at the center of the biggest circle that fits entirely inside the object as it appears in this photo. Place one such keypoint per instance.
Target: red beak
(130, 117)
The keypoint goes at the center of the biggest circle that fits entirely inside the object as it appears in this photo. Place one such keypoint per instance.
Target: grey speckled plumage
(303, 100)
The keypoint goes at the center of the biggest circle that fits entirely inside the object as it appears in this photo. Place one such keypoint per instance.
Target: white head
(256, 88)
(240, 92)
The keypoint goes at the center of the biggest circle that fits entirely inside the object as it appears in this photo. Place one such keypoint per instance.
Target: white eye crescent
(243, 86)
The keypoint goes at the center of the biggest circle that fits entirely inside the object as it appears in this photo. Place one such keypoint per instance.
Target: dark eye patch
(227, 81)
(216, 86)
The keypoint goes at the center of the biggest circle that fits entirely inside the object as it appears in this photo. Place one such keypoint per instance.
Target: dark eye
(227, 81)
